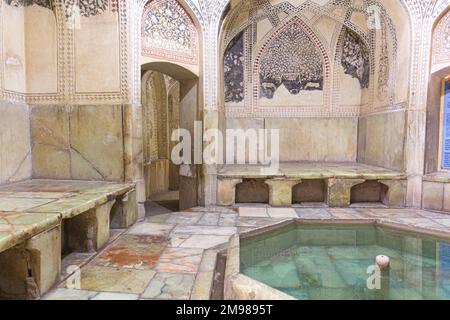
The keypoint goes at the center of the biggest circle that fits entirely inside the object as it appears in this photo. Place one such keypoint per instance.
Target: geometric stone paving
(167, 256)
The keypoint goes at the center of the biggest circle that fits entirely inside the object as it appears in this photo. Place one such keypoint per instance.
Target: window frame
(442, 126)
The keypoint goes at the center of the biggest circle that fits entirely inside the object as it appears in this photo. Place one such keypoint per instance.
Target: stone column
(124, 212)
(396, 196)
(28, 271)
(133, 153)
(280, 191)
(226, 191)
(89, 231)
(339, 192)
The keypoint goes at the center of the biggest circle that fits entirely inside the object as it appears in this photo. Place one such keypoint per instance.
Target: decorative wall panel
(441, 41)
(294, 66)
(168, 32)
(234, 70)
(355, 57)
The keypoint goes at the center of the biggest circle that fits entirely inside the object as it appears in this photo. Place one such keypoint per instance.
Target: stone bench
(338, 178)
(41, 218)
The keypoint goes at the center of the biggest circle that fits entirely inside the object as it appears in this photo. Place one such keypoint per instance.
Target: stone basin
(312, 260)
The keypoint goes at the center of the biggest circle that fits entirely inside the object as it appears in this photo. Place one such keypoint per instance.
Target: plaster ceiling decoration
(168, 32)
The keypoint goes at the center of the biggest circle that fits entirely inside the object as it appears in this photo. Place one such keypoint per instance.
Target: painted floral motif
(168, 32)
(441, 40)
(90, 8)
(293, 60)
(87, 8)
(384, 70)
(355, 57)
(234, 70)
(26, 3)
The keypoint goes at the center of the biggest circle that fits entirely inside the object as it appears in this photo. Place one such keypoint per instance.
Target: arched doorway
(170, 102)
(170, 70)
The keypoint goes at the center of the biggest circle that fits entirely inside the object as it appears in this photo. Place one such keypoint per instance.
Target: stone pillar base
(226, 191)
(29, 270)
(124, 212)
(396, 196)
(339, 192)
(280, 191)
(89, 231)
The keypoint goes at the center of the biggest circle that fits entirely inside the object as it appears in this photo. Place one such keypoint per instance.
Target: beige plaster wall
(381, 140)
(309, 139)
(15, 156)
(13, 48)
(41, 51)
(77, 142)
(97, 54)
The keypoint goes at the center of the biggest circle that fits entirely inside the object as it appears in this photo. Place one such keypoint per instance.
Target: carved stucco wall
(66, 49)
(209, 14)
(169, 33)
(358, 66)
(441, 41)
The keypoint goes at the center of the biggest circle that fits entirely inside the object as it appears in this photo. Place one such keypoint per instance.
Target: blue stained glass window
(446, 133)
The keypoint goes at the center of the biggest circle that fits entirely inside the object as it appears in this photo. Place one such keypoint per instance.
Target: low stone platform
(41, 219)
(338, 179)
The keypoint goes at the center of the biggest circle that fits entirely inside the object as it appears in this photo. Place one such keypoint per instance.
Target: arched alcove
(171, 47)
(437, 154)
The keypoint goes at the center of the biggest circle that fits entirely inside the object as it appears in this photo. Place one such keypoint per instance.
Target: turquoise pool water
(322, 262)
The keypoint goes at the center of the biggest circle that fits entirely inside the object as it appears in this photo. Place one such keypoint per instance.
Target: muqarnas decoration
(292, 59)
(355, 57)
(25, 3)
(234, 70)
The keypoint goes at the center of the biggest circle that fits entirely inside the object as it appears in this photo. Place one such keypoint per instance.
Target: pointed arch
(169, 32)
(303, 67)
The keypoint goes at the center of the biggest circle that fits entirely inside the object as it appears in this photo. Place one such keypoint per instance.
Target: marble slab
(316, 170)
(17, 227)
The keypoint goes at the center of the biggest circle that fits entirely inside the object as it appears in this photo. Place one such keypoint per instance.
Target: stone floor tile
(114, 296)
(228, 220)
(205, 230)
(256, 222)
(204, 241)
(106, 279)
(184, 218)
(149, 229)
(444, 222)
(209, 219)
(179, 260)
(70, 294)
(253, 212)
(282, 213)
(159, 218)
(133, 252)
(308, 213)
(175, 240)
(171, 286)
(74, 259)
